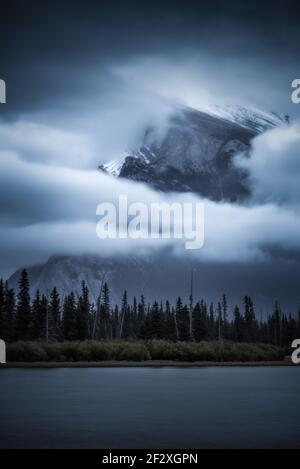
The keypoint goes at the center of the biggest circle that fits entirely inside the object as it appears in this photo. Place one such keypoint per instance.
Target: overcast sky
(85, 78)
(55, 55)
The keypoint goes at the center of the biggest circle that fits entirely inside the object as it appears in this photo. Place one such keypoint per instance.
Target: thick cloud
(48, 208)
(274, 166)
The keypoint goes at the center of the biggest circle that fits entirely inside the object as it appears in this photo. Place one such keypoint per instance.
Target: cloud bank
(48, 207)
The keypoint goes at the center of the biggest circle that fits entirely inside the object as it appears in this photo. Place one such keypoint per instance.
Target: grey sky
(84, 79)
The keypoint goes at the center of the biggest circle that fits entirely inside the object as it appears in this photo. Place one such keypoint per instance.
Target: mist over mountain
(195, 153)
(163, 276)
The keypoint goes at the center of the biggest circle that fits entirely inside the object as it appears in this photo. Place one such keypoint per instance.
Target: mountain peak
(195, 152)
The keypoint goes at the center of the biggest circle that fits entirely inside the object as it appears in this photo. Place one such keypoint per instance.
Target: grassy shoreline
(143, 364)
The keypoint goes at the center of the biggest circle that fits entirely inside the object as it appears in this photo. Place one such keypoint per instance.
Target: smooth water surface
(150, 407)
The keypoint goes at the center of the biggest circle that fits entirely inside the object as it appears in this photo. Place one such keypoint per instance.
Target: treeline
(75, 318)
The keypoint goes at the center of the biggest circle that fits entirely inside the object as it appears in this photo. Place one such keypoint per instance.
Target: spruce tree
(83, 313)
(36, 324)
(104, 321)
(157, 321)
(55, 332)
(212, 325)
(44, 319)
(238, 326)
(141, 316)
(183, 320)
(224, 316)
(7, 312)
(200, 322)
(70, 318)
(170, 326)
(23, 308)
(2, 310)
(10, 311)
(123, 326)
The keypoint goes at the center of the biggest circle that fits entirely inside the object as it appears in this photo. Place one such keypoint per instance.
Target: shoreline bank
(142, 364)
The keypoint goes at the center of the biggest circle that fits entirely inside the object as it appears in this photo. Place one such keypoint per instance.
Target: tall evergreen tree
(70, 318)
(220, 321)
(23, 308)
(200, 322)
(55, 332)
(2, 310)
(104, 325)
(170, 326)
(83, 313)
(141, 316)
(36, 325)
(157, 321)
(7, 312)
(10, 311)
(225, 316)
(124, 326)
(212, 326)
(238, 325)
(183, 320)
(251, 329)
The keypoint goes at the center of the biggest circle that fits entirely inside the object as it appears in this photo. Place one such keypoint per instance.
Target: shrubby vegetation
(74, 318)
(91, 351)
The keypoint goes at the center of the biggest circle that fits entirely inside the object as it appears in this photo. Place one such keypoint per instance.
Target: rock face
(195, 153)
(67, 273)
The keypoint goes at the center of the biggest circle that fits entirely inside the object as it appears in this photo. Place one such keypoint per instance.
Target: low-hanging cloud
(47, 209)
(274, 166)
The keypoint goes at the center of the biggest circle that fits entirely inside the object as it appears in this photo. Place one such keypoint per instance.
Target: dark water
(150, 408)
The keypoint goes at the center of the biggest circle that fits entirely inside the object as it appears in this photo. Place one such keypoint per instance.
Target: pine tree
(251, 329)
(44, 319)
(157, 321)
(10, 311)
(134, 319)
(238, 325)
(7, 312)
(55, 332)
(115, 322)
(70, 318)
(141, 316)
(200, 322)
(2, 310)
(212, 326)
(36, 324)
(123, 326)
(23, 308)
(104, 324)
(224, 316)
(220, 322)
(170, 326)
(83, 313)
(183, 320)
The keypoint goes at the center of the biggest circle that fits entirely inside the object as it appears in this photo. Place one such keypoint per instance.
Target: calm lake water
(150, 407)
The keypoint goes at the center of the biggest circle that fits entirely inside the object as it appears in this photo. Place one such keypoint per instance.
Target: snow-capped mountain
(195, 152)
(250, 118)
